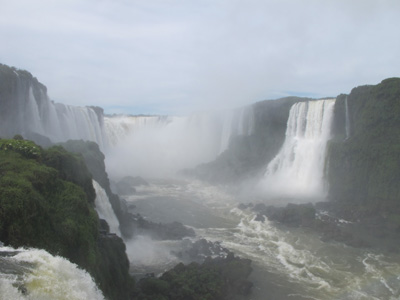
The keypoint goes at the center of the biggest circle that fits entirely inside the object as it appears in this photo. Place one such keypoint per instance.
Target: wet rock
(295, 215)
(243, 206)
(260, 218)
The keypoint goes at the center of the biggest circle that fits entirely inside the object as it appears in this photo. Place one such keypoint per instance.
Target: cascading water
(297, 170)
(119, 127)
(104, 208)
(160, 146)
(37, 275)
(29, 111)
(236, 122)
(346, 105)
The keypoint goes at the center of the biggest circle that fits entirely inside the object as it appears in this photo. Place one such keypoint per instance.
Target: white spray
(104, 208)
(37, 275)
(151, 146)
(297, 170)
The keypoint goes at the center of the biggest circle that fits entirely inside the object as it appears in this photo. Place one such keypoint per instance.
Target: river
(288, 263)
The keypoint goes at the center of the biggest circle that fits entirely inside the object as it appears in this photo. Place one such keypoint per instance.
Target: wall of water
(104, 209)
(150, 144)
(27, 110)
(298, 168)
(160, 146)
(37, 275)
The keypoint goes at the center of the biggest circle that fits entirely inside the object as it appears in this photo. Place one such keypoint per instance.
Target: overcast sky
(179, 56)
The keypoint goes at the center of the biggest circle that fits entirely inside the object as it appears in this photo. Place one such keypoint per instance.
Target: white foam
(46, 277)
(297, 170)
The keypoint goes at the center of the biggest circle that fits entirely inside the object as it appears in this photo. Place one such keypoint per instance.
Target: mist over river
(288, 263)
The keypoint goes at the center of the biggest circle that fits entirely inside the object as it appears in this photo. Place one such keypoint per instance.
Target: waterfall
(297, 170)
(104, 209)
(29, 111)
(37, 275)
(236, 122)
(151, 146)
(119, 127)
(346, 105)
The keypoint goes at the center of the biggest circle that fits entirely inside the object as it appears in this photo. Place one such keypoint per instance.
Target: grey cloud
(188, 55)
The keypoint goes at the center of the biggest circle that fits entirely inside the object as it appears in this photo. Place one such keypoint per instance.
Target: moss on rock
(46, 201)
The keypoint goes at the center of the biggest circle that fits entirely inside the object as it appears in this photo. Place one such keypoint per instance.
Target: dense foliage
(46, 201)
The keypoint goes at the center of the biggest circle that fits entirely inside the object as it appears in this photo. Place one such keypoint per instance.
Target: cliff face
(47, 202)
(26, 109)
(364, 161)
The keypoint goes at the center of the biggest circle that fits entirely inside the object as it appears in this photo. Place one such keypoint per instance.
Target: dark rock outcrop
(214, 279)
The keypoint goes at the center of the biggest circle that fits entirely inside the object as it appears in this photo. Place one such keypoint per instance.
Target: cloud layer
(177, 56)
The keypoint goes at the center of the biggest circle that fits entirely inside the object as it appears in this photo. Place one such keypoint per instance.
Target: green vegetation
(94, 159)
(46, 201)
(364, 170)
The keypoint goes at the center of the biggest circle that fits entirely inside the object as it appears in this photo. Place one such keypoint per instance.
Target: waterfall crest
(43, 276)
(119, 127)
(104, 208)
(298, 168)
(162, 145)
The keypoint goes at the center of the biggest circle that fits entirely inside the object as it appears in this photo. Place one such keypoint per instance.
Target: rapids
(288, 263)
(35, 274)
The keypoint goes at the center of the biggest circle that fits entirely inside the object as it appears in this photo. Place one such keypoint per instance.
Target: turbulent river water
(288, 263)
(34, 274)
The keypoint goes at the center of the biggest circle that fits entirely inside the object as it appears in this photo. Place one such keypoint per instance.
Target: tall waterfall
(104, 208)
(297, 170)
(27, 110)
(33, 274)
